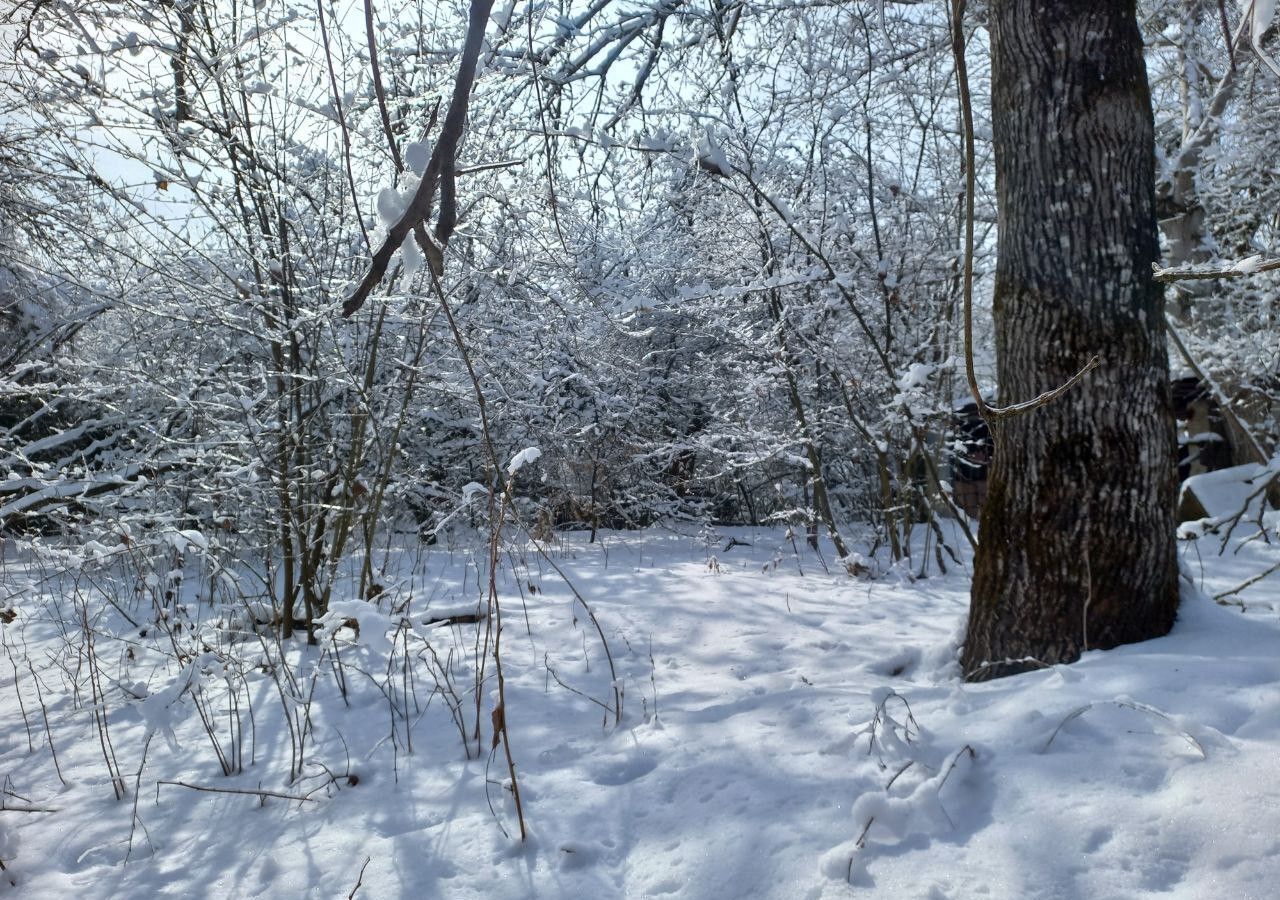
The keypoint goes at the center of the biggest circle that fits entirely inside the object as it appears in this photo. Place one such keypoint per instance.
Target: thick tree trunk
(1077, 545)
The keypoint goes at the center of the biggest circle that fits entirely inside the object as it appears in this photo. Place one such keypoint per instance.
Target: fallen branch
(1252, 581)
(34, 493)
(1203, 273)
(28, 809)
(461, 619)
(249, 791)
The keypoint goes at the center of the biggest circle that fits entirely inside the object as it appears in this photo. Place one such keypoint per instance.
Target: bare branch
(1200, 273)
(440, 172)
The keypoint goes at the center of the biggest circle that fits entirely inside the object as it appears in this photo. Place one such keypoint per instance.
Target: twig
(100, 707)
(546, 662)
(249, 791)
(44, 711)
(582, 601)
(379, 90)
(1125, 704)
(553, 202)
(135, 821)
(1252, 581)
(653, 681)
(31, 744)
(989, 413)
(1272, 477)
(359, 878)
(439, 173)
(342, 121)
(898, 774)
(861, 842)
(4, 807)
(1007, 661)
(955, 758)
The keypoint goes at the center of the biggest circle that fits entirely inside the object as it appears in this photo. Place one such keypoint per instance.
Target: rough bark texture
(1077, 543)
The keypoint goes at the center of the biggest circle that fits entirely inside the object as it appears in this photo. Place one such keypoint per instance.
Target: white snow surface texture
(788, 732)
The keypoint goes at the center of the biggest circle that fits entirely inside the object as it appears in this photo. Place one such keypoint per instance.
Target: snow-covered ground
(787, 732)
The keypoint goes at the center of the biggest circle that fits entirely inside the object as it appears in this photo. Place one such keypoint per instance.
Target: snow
(189, 537)
(1249, 265)
(390, 206)
(1225, 492)
(410, 255)
(788, 732)
(1263, 12)
(417, 155)
(917, 376)
(711, 156)
(373, 624)
(523, 458)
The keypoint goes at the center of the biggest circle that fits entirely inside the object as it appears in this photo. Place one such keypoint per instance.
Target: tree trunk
(1077, 544)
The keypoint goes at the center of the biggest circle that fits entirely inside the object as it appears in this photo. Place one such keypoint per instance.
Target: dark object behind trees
(1077, 548)
(970, 459)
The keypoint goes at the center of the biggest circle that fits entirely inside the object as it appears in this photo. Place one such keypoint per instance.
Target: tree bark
(1077, 546)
